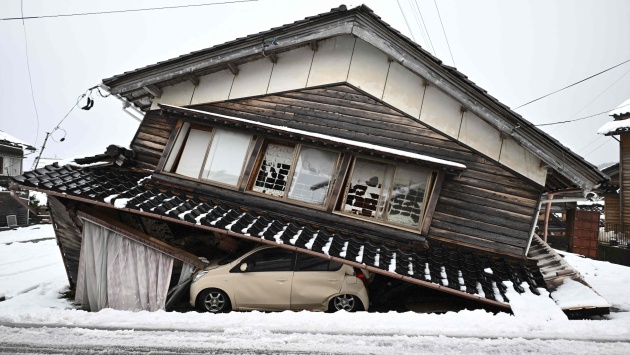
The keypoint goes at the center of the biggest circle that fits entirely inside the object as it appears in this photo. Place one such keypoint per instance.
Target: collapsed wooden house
(334, 135)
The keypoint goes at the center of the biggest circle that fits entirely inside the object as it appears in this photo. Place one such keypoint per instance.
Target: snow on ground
(32, 277)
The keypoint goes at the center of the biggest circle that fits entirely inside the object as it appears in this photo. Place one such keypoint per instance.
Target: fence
(615, 234)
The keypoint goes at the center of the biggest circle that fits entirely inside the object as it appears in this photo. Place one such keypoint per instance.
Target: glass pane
(311, 263)
(194, 151)
(366, 186)
(226, 157)
(405, 203)
(312, 176)
(176, 147)
(274, 259)
(274, 170)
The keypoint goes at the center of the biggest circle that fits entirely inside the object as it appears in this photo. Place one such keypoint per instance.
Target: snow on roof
(7, 138)
(574, 294)
(621, 109)
(614, 127)
(349, 142)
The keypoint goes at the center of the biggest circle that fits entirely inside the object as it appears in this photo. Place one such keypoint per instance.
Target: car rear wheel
(213, 301)
(348, 303)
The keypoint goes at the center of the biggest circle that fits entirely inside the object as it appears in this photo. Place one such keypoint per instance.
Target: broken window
(212, 154)
(387, 192)
(306, 171)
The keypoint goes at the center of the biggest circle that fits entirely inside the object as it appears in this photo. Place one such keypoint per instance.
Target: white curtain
(120, 273)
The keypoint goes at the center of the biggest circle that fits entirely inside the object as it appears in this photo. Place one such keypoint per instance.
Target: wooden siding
(68, 229)
(624, 177)
(611, 208)
(486, 206)
(9, 206)
(151, 138)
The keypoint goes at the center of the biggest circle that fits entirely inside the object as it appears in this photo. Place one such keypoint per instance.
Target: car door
(266, 284)
(314, 281)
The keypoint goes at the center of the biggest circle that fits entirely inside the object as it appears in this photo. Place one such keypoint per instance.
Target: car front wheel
(213, 301)
(348, 303)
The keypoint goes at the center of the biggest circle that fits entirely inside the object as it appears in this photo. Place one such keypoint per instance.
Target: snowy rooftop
(615, 127)
(7, 139)
(621, 109)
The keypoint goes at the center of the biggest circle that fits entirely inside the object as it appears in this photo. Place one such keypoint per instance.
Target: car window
(274, 259)
(307, 262)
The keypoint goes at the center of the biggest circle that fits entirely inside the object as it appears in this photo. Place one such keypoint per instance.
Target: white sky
(516, 51)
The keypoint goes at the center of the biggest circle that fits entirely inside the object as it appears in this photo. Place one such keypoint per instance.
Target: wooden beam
(273, 57)
(432, 203)
(233, 68)
(314, 46)
(154, 90)
(101, 219)
(194, 79)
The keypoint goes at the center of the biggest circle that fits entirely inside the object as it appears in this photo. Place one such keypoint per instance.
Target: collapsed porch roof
(447, 268)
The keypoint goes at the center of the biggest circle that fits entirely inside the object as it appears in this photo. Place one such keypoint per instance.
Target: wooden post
(547, 213)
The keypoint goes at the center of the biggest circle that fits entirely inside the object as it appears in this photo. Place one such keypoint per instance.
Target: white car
(275, 279)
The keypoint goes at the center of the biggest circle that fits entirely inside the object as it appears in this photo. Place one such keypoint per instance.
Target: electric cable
(444, 32)
(122, 11)
(599, 146)
(28, 67)
(425, 26)
(405, 17)
(579, 119)
(568, 86)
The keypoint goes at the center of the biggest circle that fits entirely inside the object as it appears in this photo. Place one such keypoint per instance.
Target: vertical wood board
(213, 87)
(331, 61)
(252, 78)
(368, 69)
(404, 90)
(291, 70)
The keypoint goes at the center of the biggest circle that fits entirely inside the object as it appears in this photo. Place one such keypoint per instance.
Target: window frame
(290, 176)
(208, 128)
(429, 194)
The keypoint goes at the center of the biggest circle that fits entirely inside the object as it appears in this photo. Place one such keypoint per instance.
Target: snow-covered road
(72, 340)
(34, 319)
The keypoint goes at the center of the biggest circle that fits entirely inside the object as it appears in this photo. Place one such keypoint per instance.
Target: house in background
(13, 208)
(334, 136)
(617, 193)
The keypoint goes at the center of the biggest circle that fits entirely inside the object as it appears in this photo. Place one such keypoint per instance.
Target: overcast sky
(517, 51)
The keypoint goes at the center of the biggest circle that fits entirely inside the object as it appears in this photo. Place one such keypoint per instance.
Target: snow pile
(32, 276)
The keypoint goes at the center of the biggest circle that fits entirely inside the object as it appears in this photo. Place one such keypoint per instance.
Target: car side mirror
(243, 267)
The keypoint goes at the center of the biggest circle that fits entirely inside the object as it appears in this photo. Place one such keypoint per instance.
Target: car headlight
(199, 275)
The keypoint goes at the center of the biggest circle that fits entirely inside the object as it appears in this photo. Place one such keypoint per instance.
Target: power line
(444, 32)
(588, 145)
(566, 87)
(579, 119)
(121, 11)
(599, 146)
(28, 67)
(425, 26)
(405, 17)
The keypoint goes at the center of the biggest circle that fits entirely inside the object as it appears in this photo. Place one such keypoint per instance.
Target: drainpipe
(547, 213)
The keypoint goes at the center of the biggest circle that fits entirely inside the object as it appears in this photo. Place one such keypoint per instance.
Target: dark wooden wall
(68, 229)
(486, 206)
(151, 138)
(9, 206)
(624, 177)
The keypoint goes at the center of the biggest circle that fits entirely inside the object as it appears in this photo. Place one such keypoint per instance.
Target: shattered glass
(312, 176)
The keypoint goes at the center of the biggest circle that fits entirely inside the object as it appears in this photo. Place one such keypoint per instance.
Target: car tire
(348, 303)
(213, 300)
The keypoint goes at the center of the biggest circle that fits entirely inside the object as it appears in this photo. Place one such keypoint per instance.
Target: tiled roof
(475, 273)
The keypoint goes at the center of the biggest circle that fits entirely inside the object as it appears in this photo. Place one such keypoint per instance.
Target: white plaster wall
(368, 69)
(522, 161)
(176, 95)
(478, 134)
(291, 70)
(331, 61)
(404, 90)
(441, 111)
(252, 79)
(213, 87)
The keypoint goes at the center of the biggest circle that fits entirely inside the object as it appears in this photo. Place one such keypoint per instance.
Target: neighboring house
(13, 210)
(335, 136)
(617, 192)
